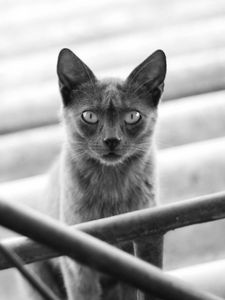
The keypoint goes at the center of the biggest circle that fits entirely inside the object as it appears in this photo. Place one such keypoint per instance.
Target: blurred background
(113, 37)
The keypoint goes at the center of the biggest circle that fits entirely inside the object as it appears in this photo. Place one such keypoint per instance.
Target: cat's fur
(106, 168)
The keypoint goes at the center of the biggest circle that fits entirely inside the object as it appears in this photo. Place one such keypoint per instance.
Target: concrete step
(43, 13)
(208, 276)
(182, 121)
(192, 170)
(136, 24)
(29, 152)
(191, 119)
(16, 17)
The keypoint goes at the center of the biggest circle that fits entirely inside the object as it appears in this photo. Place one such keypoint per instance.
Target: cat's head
(110, 120)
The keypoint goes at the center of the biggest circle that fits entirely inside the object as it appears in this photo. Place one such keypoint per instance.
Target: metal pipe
(38, 285)
(131, 226)
(96, 254)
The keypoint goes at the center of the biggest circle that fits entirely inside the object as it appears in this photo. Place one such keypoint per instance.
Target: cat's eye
(89, 117)
(132, 117)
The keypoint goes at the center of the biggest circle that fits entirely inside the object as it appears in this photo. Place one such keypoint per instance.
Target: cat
(107, 164)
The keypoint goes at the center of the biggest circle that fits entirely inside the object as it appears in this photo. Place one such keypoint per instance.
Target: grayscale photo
(112, 150)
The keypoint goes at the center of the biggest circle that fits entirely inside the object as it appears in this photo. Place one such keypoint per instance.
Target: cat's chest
(97, 193)
(113, 193)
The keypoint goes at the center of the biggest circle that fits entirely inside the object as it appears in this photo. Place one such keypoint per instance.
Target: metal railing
(146, 227)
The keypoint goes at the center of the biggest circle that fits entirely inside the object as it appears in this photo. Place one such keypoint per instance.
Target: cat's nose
(112, 143)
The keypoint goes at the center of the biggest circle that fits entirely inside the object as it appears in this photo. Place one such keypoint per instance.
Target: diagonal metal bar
(131, 226)
(97, 254)
(40, 287)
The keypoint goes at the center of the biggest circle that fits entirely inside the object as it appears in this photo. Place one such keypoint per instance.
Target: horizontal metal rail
(130, 226)
(96, 254)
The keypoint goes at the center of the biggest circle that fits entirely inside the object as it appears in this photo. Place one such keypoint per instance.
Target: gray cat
(107, 165)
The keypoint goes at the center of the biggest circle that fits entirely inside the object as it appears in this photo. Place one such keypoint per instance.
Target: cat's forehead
(108, 94)
(112, 92)
(115, 93)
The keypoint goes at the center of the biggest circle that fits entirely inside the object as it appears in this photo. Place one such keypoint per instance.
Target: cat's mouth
(111, 156)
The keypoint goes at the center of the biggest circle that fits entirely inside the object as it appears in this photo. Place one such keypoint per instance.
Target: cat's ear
(72, 73)
(150, 74)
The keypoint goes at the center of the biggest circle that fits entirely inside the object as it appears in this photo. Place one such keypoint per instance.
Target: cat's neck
(94, 190)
